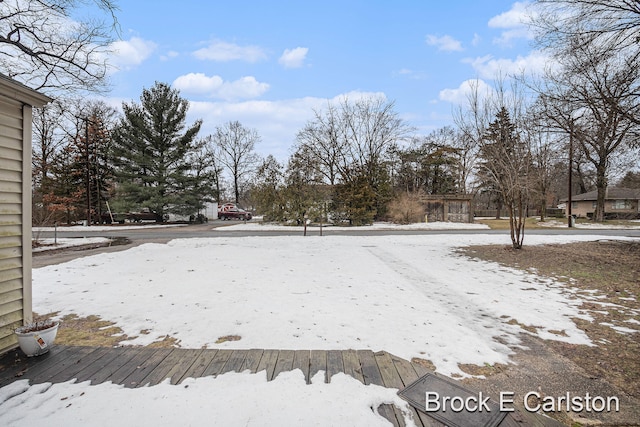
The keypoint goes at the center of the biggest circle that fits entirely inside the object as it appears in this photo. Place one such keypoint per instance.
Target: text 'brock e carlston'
(532, 401)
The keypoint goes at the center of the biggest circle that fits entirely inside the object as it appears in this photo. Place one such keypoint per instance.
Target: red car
(234, 212)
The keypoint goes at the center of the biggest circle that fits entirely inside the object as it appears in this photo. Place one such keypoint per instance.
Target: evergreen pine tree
(151, 148)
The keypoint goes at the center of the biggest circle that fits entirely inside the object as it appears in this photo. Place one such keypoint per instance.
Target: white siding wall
(15, 222)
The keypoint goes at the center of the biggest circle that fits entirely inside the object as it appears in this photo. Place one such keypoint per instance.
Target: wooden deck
(139, 366)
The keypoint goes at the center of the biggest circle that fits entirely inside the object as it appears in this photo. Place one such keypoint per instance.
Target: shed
(16, 103)
(448, 207)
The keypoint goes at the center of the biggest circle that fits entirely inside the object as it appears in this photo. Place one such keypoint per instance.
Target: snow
(409, 295)
(51, 244)
(231, 399)
(75, 228)
(377, 226)
(412, 296)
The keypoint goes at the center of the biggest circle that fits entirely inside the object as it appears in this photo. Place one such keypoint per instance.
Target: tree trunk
(601, 186)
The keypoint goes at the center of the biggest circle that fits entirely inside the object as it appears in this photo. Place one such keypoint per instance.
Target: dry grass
(88, 331)
(612, 269)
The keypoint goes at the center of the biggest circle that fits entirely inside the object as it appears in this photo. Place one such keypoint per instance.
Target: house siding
(585, 208)
(15, 266)
(16, 102)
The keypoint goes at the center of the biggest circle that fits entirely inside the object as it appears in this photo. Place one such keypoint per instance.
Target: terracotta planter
(36, 342)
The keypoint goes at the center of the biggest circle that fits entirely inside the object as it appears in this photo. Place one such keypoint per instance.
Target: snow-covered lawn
(73, 228)
(64, 242)
(410, 295)
(376, 226)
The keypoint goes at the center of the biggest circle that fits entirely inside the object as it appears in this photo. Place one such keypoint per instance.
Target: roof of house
(16, 90)
(613, 193)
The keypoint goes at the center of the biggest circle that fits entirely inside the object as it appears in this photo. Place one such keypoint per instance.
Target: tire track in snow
(454, 304)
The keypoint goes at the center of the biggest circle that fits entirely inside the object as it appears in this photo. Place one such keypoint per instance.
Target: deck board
(301, 361)
(371, 374)
(335, 364)
(268, 363)
(123, 356)
(139, 376)
(65, 368)
(217, 363)
(99, 364)
(198, 366)
(252, 360)
(234, 364)
(284, 362)
(139, 366)
(317, 363)
(351, 364)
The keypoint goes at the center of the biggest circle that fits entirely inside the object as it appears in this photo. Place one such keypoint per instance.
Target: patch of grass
(485, 370)
(503, 223)
(166, 342)
(88, 331)
(424, 363)
(228, 338)
(609, 268)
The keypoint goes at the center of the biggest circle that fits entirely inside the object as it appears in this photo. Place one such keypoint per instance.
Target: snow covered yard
(410, 295)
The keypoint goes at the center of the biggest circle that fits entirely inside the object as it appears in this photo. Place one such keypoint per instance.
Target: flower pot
(36, 339)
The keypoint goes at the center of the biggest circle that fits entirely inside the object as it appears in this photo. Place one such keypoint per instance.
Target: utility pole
(569, 201)
(88, 167)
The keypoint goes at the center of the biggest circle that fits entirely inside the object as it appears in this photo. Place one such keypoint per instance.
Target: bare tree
(210, 154)
(507, 162)
(611, 24)
(586, 34)
(48, 139)
(237, 145)
(322, 141)
(44, 48)
(544, 155)
(580, 101)
(472, 120)
(371, 128)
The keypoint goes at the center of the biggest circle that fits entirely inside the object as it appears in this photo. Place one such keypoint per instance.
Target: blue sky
(269, 64)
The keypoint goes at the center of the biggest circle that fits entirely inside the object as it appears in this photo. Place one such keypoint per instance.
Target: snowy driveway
(409, 295)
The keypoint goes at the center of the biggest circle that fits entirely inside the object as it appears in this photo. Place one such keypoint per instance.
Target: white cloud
(489, 67)
(293, 58)
(127, 54)
(198, 83)
(170, 55)
(444, 43)
(460, 95)
(411, 74)
(514, 17)
(513, 22)
(245, 87)
(215, 86)
(277, 122)
(223, 52)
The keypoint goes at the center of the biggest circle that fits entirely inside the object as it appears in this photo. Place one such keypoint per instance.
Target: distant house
(619, 203)
(16, 102)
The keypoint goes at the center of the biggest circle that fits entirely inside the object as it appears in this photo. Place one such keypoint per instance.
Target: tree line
(356, 160)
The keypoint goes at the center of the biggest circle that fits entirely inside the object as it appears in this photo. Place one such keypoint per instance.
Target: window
(621, 204)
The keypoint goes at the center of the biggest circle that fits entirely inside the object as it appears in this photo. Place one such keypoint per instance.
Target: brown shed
(16, 102)
(448, 207)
